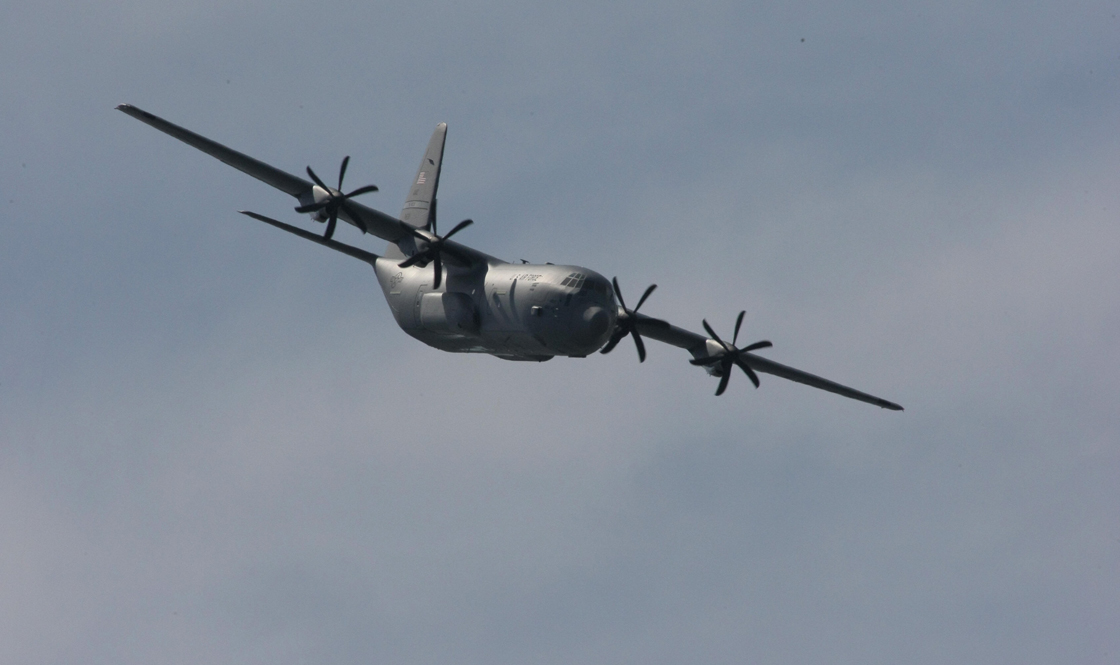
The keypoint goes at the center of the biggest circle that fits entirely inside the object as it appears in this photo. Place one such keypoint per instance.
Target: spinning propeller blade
(336, 200)
(730, 355)
(627, 323)
(434, 250)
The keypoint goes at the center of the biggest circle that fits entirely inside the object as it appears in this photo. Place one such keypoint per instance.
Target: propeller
(627, 323)
(434, 249)
(336, 200)
(730, 356)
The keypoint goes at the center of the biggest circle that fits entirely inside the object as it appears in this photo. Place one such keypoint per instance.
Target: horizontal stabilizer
(349, 250)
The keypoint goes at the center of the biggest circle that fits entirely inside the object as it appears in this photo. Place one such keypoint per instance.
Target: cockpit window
(584, 283)
(597, 285)
(574, 280)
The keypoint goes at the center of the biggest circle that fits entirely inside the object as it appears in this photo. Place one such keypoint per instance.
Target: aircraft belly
(507, 318)
(451, 343)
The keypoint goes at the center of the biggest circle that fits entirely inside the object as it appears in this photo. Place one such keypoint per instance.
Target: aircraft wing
(376, 222)
(697, 345)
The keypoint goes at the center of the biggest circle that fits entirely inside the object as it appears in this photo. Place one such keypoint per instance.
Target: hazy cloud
(215, 445)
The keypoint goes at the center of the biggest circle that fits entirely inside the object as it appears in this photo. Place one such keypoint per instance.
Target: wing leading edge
(697, 345)
(378, 223)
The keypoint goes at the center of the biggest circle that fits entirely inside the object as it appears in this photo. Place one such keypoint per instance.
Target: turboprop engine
(328, 202)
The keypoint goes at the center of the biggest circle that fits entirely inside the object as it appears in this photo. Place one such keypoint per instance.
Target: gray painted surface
(216, 445)
(558, 310)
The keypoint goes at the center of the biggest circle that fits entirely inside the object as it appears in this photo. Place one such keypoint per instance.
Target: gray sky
(215, 445)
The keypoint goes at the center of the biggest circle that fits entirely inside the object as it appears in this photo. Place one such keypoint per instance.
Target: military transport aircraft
(456, 298)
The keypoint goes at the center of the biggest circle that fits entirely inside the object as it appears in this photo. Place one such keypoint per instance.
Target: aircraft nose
(595, 322)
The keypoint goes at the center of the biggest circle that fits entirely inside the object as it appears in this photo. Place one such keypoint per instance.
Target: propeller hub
(723, 356)
(430, 248)
(327, 202)
(626, 322)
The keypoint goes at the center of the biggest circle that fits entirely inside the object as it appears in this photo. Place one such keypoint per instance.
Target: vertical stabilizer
(420, 208)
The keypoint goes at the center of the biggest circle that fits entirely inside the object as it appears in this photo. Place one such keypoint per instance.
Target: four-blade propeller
(336, 200)
(730, 356)
(627, 323)
(434, 248)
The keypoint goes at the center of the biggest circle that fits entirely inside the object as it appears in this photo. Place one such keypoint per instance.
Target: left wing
(697, 345)
(365, 218)
(376, 222)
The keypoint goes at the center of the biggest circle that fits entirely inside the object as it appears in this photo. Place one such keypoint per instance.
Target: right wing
(697, 345)
(378, 223)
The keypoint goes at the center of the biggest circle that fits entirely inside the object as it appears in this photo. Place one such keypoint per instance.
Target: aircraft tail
(420, 208)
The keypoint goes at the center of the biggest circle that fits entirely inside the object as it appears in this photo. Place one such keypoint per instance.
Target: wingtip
(892, 406)
(136, 112)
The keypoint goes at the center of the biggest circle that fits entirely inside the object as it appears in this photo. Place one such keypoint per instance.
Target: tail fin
(420, 208)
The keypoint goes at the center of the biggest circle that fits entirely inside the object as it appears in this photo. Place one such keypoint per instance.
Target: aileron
(271, 175)
(768, 366)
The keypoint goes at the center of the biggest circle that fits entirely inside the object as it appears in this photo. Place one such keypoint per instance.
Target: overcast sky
(216, 446)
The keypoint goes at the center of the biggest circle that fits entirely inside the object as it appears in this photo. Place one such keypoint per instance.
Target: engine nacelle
(712, 348)
(318, 195)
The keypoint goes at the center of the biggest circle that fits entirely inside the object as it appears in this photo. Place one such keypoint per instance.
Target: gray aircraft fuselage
(512, 311)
